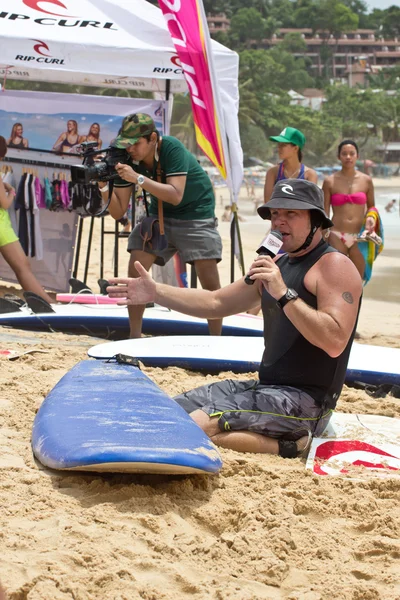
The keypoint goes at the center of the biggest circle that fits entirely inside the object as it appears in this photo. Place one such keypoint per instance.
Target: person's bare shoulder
(328, 182)
(272, 170)
(334, 271)
(337, 267)
(310, 174)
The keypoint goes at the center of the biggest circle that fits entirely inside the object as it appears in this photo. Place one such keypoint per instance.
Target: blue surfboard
(104, 416)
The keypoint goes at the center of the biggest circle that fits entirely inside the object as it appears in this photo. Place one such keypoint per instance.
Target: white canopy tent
(110, 43)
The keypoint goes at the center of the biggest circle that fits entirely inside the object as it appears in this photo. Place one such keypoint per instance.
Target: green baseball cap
(133, 127)
(290, 135)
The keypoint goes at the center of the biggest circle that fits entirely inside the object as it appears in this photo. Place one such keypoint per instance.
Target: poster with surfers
(61, 122)
(358, 447)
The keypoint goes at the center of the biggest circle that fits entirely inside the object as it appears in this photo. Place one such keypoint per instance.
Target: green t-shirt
(198, 200)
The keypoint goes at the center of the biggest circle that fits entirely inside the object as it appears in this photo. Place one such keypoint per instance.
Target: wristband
(104, 189)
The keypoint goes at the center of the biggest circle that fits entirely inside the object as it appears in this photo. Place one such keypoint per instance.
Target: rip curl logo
(176, 62)
(285, 188)
(334, 457)
(34, 4)
(44, 52)
(41, 46)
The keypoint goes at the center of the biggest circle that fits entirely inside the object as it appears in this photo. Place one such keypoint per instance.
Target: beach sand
(264, 528)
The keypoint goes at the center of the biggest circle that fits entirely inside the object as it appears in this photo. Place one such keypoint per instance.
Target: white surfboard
(109, 320)
(369, 364)
(357, 447)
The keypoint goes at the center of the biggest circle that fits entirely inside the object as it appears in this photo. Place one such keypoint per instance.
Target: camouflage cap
(133, 127)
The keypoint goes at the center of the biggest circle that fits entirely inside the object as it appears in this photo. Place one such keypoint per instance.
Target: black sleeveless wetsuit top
(289, 359)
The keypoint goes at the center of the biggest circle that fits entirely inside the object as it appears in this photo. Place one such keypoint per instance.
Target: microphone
(270, 247)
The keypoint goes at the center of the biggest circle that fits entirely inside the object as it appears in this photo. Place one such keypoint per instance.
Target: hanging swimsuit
(281, 176)
(348, 239)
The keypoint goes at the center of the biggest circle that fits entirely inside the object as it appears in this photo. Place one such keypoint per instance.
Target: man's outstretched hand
(132, 291)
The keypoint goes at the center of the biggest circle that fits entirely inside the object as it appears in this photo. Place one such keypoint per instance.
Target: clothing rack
(37, 163)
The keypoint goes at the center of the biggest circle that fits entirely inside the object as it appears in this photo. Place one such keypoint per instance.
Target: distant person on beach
(93, 135)
(69, 140)
(290, 144)
(349, 194)
(16, 139)
(10, 248)
(391, 206)
(310, 301)
(227, 214)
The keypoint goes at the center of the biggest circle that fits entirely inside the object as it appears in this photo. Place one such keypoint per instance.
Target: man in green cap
(167, 171)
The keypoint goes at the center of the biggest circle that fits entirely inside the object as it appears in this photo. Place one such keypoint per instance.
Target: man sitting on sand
(310, 302)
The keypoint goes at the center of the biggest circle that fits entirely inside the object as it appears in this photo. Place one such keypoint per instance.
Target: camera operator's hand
(126, 172)
(132, 291)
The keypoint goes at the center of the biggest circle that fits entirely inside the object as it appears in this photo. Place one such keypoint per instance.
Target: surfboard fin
(13, 298)
(37, 304)
(8, 306)
(78, 287)
(103, 285)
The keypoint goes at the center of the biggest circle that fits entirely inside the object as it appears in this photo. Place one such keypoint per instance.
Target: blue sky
(382, 4)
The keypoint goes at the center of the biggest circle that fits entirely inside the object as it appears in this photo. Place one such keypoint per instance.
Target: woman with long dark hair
(349, 195)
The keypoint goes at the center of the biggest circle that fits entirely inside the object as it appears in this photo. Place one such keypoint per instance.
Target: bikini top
(281, 176)
(19, 145)
(67, 143)
(341, 199)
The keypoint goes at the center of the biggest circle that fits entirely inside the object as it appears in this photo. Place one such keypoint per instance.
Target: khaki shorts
(194, 240)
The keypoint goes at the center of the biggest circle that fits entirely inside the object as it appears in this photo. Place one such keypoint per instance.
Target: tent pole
(78, 248)
(88, 249)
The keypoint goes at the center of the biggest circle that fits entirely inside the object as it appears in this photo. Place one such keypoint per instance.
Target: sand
(263, 528)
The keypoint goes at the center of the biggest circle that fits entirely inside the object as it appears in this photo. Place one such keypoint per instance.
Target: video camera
(103, 169)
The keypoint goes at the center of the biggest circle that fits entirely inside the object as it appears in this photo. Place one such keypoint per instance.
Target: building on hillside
(310, 98)
(217, 23)
(355, 54)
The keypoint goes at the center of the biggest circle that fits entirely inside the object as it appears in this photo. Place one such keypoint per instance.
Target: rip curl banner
(188, 27)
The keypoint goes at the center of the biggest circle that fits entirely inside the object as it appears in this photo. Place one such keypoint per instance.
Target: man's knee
(208, 424)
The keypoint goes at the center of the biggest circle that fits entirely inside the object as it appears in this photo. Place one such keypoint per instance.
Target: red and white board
(357, 447)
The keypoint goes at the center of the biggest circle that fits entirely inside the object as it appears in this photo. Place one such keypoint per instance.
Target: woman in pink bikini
(350, 194)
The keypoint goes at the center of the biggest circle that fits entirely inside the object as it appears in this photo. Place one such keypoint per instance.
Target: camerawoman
(168, 173)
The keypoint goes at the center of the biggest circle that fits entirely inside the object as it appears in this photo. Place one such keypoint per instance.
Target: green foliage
(391, 22)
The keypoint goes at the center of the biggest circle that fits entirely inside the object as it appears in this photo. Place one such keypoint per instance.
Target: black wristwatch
(290, 294)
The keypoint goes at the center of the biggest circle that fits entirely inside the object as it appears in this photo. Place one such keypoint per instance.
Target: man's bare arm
(338, 288)
(234, 298)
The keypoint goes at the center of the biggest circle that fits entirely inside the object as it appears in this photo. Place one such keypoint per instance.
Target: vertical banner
(188, 27)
